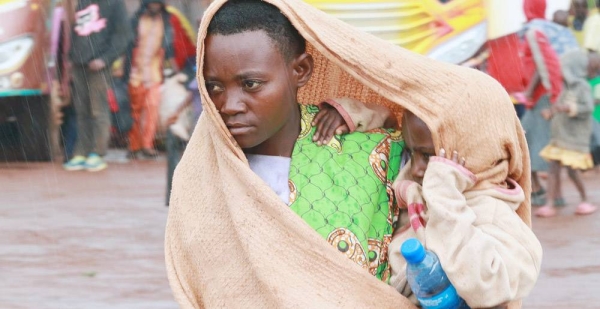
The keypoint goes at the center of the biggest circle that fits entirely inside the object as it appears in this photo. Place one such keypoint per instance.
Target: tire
(24, 134)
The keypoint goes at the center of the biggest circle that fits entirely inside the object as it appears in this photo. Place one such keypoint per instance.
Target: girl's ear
(303, 67)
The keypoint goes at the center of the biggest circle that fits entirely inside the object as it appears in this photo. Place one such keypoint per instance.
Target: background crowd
(131, 85)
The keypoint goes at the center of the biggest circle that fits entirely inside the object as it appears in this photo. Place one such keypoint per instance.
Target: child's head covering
(534, 9)
(574, 66)
(231, 241)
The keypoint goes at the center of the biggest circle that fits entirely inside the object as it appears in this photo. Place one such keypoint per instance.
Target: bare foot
(546, 211)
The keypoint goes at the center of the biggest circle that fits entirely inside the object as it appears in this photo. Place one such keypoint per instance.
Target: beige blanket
(231, 242)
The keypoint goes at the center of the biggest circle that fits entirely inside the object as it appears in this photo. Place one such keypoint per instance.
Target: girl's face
(419, 145)
(254, 89)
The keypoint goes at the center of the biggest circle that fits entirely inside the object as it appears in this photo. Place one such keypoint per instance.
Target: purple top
(196, 100)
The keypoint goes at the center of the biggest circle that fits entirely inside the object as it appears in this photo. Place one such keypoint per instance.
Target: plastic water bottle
(427, 279)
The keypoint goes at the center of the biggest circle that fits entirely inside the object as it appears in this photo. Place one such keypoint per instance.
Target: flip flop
(585, 208)
(546, 212)
(538, 198)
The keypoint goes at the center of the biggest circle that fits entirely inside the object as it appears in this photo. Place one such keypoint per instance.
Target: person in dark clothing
(100, 34)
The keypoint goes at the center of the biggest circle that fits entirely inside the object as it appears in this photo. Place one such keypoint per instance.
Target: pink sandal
(546, 211)
(585, 208)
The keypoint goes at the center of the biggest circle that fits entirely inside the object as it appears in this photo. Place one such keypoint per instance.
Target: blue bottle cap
(413, 251)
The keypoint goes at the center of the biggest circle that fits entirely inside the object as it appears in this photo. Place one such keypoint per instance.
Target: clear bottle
(427, 279)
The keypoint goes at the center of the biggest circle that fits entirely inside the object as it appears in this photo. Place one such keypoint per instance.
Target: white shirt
(274, 171)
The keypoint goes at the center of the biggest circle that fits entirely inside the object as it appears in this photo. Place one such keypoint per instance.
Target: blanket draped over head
(231, 242)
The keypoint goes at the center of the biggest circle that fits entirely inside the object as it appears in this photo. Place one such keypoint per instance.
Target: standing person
(541, 67)
(571, 130)
(580, 14)
(174, 144)
(591, 30)
(158, 43)
(100, 35)
(296, 223)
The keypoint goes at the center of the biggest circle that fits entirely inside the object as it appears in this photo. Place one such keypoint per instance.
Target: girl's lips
(239, 129)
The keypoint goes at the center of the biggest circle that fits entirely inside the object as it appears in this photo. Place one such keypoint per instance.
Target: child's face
(254, 88)
(419, 145)
(593, 66)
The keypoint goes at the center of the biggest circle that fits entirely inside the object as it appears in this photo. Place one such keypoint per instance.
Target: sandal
(559, 202)
(538, 198)
(585, 208)
(546, 212)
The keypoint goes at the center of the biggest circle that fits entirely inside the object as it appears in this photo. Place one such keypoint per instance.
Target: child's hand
(454, 158)
(328, 122)
(564, 108)
(546, 113)
(172, 119)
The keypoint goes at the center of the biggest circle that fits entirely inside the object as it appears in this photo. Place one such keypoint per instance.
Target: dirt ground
(95, 240)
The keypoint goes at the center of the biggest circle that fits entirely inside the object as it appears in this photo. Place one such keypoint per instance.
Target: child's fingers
(442, 152)
(455, 156)
(328, 129)
(318, 117)
(317, 121)
(321, 132)
(463, 161)
(343, 129)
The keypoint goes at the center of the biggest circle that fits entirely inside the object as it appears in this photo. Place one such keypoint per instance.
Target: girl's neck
(282, 143)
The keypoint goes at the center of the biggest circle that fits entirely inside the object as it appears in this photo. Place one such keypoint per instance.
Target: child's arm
(490, 255)
(584, 105)
(344, 115)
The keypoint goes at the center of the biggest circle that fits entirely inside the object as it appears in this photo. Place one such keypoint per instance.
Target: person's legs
(537, 133)
(575, 177)
(68, 131)
(83, 110)
(584, 207)
(558, 199)
(548, 210)
(538, 194)
(100, 111)
(150, 119)
(81, 104)
(136, 96)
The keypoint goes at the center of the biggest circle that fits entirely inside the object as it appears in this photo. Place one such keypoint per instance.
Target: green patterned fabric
(343, 190)
(595, 83)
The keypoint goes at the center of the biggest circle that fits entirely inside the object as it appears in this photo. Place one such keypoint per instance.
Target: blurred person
(100, 33)
(591, 30)
(159, 43)
(561, 17)
(569, 146)
(175, 143)
(120, 106)
(543, 80)
(580, 14)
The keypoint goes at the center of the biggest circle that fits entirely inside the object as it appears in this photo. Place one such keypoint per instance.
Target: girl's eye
(252, 84)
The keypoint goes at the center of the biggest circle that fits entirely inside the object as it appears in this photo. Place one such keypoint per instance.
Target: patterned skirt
(569, 158)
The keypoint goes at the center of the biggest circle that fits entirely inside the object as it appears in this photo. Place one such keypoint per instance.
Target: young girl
(571, 130)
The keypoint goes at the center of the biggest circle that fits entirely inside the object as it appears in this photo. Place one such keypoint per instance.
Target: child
(571, 130)
(433, 190)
